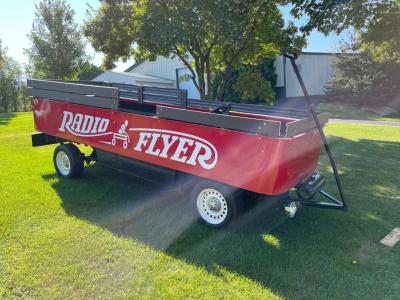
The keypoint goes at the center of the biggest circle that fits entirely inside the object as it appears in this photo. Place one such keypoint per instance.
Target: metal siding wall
(188, 85)
(162, 67)
(278, 63)
(316, 71)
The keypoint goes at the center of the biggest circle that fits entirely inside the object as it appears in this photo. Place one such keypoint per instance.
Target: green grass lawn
(109, 235)
(342, 111)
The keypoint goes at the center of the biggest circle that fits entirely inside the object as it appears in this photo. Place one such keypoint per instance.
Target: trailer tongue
(220, 148)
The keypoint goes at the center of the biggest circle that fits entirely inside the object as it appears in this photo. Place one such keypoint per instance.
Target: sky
(16, 17)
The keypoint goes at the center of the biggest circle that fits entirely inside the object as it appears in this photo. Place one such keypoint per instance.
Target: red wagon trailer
(224, 147)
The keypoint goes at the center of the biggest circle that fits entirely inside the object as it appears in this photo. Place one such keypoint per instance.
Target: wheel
(184, 184)
(68, 161)
(215, 203)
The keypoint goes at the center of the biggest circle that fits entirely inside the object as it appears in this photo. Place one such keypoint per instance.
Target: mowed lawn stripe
(46, 253)
(99, 236)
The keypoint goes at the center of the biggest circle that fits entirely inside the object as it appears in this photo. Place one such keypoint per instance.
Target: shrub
(360, 80)
(253, 88)
(241, 88)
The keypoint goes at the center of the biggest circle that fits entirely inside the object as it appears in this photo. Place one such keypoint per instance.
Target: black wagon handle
(292, 56)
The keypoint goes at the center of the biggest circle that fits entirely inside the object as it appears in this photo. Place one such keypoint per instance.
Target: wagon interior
(174, 104)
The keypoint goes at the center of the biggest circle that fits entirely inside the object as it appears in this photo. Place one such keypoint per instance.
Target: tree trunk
(208, 74)
(5, 105)
(24, 102)
(15, 100)
(200, 75)
(225, 78)
(201, 90)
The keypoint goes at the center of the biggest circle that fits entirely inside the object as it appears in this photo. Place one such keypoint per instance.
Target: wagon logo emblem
(84, 125)
(177, 146)
(121, 135)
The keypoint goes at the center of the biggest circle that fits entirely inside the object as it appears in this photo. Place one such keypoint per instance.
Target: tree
(57, 48)
(359, 79)
(2, 54)
(252, 87)
(208, 36)
(337, 15)
(88, 71)
(381, 37)
(251, 84)
(375, 21)
(368, 71)
(10, 84)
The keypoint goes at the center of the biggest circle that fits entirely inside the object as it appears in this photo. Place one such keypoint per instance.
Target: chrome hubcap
(63, 163)
(214, 204)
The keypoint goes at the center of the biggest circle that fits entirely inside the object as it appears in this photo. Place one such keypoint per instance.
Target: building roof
(320, 53)
(303, 53)
(135, 65)
(137, 77)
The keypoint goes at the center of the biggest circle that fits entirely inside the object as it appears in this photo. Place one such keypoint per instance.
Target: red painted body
(248, 161)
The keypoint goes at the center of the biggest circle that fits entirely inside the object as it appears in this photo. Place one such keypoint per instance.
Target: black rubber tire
(75, 157)
(184, 184)
(228, 193)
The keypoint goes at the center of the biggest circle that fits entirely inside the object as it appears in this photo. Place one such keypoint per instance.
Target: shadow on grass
(5, 118)
(312, 254)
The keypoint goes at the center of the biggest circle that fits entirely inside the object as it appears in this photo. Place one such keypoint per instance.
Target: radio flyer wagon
(221, 147)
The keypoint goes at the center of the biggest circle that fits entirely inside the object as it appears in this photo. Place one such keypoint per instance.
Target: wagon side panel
(299, 159)
(235, 158)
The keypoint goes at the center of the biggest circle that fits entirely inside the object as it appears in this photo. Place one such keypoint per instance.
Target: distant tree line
(12, 96)
(367, 73)
(56, 51)
(227, 45)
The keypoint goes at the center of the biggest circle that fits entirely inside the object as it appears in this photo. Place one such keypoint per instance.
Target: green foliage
(10, 84)
(2, 54)
(360, 80)
(381, 37)
(57, 50)
(253, 88)
(88, 71)
(337, 15)
(110, 30)
(368, 73)
(212, 36)
(12, 89)
(377, 22)
(371, 76)
(265, 75)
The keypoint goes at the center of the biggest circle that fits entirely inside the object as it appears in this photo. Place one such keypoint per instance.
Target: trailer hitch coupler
(307, 189)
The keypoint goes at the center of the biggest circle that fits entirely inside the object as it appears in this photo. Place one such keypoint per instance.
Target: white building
(315, 68)
(135, 78)
(168, 68)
